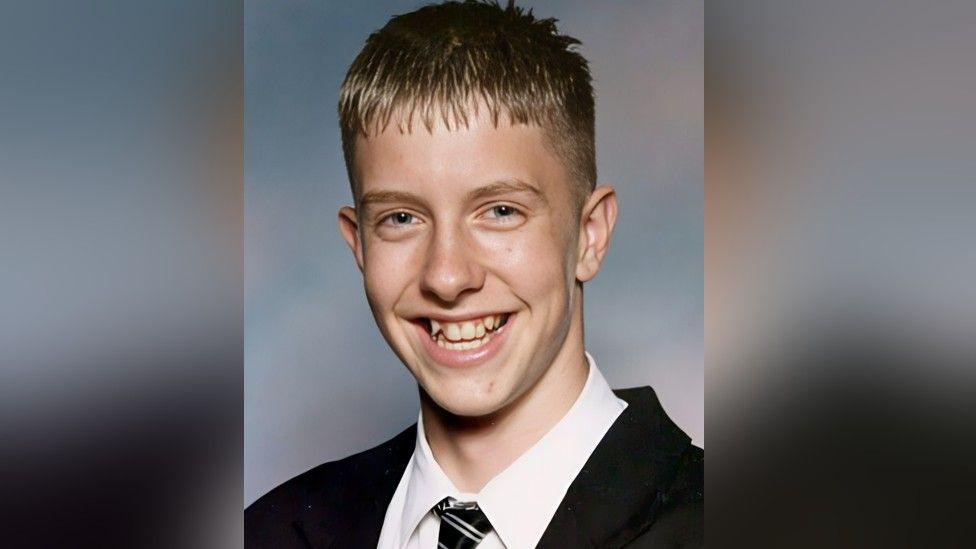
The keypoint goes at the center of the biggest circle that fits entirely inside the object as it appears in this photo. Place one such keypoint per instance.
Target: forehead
(448, 162)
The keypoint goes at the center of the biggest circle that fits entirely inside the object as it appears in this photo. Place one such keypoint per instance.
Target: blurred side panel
(120, 274)
(840, 219)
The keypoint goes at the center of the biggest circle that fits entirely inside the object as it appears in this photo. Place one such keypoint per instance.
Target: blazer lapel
(616, 495)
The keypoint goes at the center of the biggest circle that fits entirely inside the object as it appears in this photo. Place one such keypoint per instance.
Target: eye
(399, 219)
(503, 212)
(503, 216)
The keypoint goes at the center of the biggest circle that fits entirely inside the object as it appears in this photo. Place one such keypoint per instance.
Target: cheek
(387, 272)
(532, 263)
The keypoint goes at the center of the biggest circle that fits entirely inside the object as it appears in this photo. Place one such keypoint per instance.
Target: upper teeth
(467, 330)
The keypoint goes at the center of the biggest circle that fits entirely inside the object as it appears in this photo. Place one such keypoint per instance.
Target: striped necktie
(463, 525)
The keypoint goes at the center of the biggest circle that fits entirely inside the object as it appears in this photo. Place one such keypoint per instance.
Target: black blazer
(643, 486)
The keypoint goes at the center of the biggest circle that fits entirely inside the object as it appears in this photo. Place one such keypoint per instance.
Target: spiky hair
(438, 63)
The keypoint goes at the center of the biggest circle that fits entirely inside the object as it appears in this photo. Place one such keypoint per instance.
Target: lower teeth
(463, 345)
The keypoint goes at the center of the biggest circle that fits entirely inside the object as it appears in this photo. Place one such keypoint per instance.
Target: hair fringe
(442, 62)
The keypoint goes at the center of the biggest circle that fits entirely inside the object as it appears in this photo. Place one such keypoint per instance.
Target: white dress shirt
(521, 500)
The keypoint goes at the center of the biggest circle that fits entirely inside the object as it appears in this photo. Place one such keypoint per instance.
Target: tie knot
(463, 523)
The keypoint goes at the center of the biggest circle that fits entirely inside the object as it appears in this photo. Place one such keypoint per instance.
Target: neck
(473, 450)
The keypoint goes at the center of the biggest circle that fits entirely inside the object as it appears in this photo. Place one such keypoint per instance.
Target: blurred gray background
(312, 350)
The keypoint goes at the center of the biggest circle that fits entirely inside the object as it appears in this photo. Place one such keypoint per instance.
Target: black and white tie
(463, 525)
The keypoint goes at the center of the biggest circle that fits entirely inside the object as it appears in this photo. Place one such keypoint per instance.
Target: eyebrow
(504, 187)
(492, 189)
(385, 197)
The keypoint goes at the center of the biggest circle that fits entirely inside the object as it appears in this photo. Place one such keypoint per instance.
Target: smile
(469, 334)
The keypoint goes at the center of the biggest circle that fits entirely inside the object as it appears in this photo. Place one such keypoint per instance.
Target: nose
(452, 267)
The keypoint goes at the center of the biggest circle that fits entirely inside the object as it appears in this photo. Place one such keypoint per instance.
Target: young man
(468, 132)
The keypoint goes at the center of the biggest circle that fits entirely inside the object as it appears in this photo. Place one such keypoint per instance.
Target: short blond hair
(440, 62)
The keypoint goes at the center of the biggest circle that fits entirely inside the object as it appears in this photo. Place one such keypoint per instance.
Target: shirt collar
(521, 500)
(426, 487)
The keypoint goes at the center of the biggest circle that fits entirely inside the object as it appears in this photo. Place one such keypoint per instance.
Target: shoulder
(685, 494)
(689, 479)
(679, 466)
(680, 521)
(322, 496)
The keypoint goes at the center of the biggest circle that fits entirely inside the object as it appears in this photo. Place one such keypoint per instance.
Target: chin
(461, 403)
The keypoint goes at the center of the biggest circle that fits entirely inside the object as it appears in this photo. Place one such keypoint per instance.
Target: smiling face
(471, 249)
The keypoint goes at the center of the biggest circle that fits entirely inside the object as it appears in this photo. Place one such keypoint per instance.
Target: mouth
(469, 334)
(463, 342)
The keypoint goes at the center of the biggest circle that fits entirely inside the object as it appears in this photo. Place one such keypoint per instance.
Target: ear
(349, 228)
(596, 227)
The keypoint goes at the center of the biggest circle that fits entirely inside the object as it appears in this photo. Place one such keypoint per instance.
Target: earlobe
(349, 229)
(598, 217)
